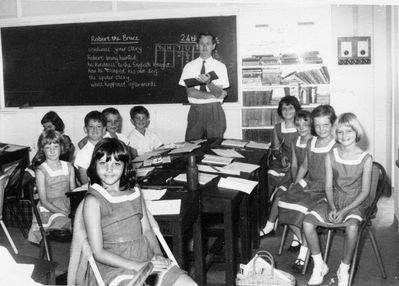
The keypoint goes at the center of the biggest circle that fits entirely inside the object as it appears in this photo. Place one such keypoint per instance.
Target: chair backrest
(13, 190)
(3, 183)
(378, 180)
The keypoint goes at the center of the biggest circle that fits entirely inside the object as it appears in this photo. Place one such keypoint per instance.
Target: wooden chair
(378, 181)
(13, 194)
(81, 244)
(42, 267)
(48, 235)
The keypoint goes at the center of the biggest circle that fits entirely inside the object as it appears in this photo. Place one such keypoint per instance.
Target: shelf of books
(266, 79)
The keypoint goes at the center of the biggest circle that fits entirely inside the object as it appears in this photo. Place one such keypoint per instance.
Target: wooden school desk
(10, 153)
(227, 202)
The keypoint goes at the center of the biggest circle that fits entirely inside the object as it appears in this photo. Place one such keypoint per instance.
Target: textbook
(190, 82)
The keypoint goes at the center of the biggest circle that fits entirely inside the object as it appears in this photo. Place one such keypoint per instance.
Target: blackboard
(118, 62)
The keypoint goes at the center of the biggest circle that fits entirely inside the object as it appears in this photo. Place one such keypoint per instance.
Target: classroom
(76, 56)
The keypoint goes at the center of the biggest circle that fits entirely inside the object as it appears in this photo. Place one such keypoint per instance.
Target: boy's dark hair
(288, 100)
(111, 110)
(325, 110)
(116, 148)
(207, 34)
(305, 115)
(139, 109)
(95, 115)
(53, 117)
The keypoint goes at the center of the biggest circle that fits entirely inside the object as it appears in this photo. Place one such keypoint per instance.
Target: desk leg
(200, 276)
(229, 244)
(245, 231)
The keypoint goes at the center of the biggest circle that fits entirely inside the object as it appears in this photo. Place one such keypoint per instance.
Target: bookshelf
(263, 85)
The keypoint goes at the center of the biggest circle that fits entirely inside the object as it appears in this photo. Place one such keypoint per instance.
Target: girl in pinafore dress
(348, 178)
(309, 185)
(303, 123)
(117, 221)
(54, 178)
(283, 134)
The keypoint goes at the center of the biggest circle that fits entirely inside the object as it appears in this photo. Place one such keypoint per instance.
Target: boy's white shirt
(83, 156)
(144, 143)
(120, 136)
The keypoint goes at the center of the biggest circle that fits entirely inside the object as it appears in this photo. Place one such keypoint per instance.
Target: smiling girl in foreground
(348, 178)
(117, 220)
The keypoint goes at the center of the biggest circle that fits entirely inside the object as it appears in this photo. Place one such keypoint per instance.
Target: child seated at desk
(113, 126)
(142, 139)
(95, 129)
(54, 178)
(118, 223)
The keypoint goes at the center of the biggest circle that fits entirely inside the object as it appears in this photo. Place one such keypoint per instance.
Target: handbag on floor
(261, 271)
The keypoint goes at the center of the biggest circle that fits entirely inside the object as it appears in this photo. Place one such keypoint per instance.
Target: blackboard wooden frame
(104, 63)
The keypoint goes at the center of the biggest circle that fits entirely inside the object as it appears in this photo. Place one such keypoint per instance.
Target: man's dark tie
(203, 87)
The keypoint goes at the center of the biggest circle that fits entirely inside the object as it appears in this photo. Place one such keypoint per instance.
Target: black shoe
(298, 265)
(270, 234)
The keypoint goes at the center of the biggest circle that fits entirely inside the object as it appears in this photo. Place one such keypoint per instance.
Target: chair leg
(45, 250)
(306, 263)
(354, 261)
(283, 238)
(377, 253)
(8, 236)
(328, 245)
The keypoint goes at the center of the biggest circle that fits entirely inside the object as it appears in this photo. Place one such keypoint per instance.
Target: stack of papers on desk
(242, 167)
(203, 178)
(217, 160)
(216, 169)
(164, 207)
(227, 153)
(258, 145)
(186, 148)
(238, 184)
(152, 194)
(234, 143)
(142, 172)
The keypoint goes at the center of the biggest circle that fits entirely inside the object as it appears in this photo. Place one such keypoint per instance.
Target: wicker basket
(266, 276)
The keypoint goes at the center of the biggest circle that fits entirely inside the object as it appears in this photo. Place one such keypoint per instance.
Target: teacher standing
(206, 118)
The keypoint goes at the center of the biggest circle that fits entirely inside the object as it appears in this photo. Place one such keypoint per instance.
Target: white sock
(344, 267)
(318, 260)
(295, 240)
(268, 228)
(302, 253)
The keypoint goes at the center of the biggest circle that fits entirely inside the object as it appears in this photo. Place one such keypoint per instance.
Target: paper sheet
(141, 172)
(164, 207)
(217, 160)
(238, 184)
(234, 143)
(242, 167)
(227, 153)
(217, 169)
(152, 195)
(203, 178)
(188, 147)
(258, 145)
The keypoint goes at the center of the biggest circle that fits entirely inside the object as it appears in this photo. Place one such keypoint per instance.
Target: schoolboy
(113, 125)
(142, 139)
(95, 129)
(206, 118)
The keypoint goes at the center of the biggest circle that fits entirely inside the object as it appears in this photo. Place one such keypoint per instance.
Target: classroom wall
(362, 89)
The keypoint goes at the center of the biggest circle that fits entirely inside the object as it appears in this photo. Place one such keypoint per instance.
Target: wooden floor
(368, 273)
